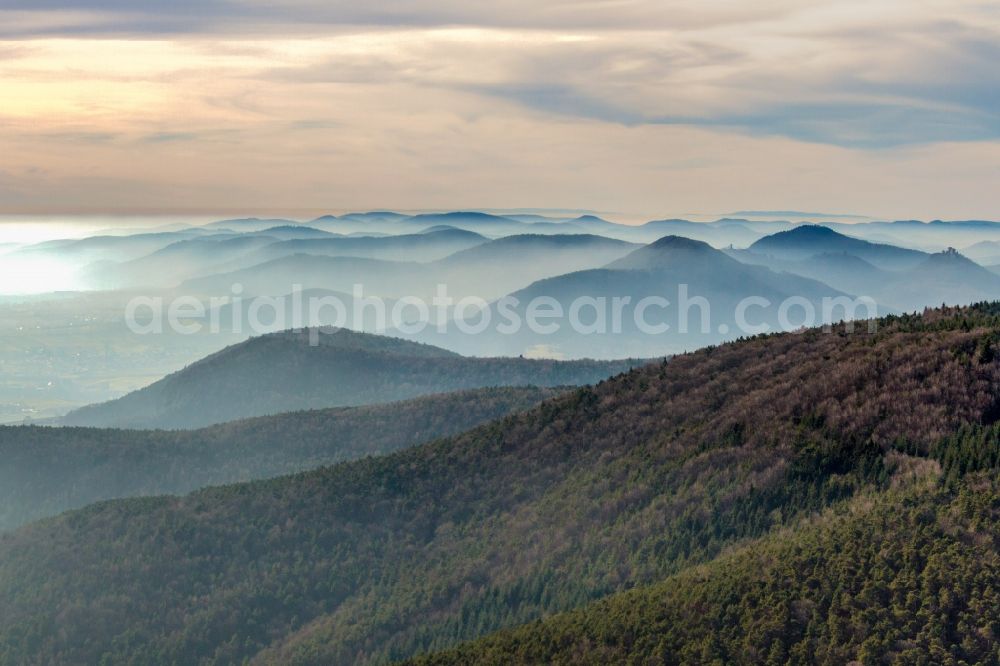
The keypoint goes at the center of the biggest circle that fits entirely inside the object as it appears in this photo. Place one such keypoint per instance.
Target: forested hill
(284, 372)
(649, 475)
(909, 577)
(46, 471)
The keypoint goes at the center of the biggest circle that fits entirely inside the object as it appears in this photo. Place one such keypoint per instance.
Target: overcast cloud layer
(646, 108)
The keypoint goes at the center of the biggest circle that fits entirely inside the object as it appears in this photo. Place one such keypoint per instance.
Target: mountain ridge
(623, 484)
(285, 371)
(51, 470)
(807, 240)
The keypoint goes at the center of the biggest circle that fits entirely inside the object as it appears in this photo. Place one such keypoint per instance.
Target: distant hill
(719, 234)
(538, 246)
(933, 236)
(79, 252)
(592, 222)
(251, 224)
(840, 270)
(672, 253)
(940, 278)
(413, 264)
(295, 231)
(177, 262)
(377, 215)
(984, 253)
(661, 270)
(282, 372)
(49, 470)
(277, 277)
(503, 225)
(420, 247)
(371, 222)
(384, 265)
(483, 223)
(809, 240)
(805, 498)
(844, 271)
(441, 227)
(458, 218)
(503, 265)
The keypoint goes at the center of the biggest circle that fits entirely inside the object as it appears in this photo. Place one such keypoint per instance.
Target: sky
(632, 108)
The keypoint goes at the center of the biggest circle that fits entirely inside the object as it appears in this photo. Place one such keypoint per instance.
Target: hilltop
(808, 240)
(284, 371)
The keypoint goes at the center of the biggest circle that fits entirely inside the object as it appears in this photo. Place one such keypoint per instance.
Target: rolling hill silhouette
(284, 372)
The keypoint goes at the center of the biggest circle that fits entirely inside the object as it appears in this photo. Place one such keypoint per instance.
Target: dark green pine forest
(799, 498)
(907, 576)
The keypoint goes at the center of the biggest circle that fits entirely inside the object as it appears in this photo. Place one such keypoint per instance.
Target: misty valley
(235, 279)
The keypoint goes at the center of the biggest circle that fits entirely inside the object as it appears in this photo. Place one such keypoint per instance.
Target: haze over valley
(249, 277)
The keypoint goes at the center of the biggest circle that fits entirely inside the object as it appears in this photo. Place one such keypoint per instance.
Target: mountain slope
(911, 577)
(49, 470)
(808, 240)
(984, 252)
(513, 262)
(674, 252)
(283, 372)
(943, 277)
(607, 488)
(894, 277)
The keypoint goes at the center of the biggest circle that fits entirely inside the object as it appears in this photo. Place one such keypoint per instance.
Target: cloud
(82, 137)
(170, 137)
(419, 104)
(857, 74)
(47, 17)
(931, 83)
